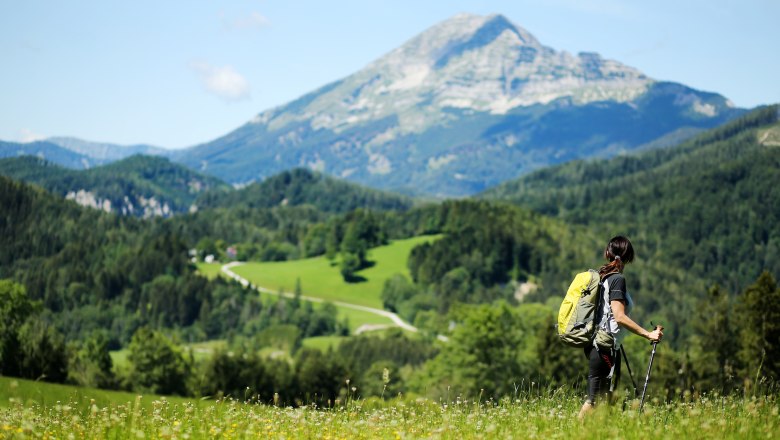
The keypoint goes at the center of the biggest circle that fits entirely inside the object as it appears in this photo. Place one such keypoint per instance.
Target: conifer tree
(760, 329)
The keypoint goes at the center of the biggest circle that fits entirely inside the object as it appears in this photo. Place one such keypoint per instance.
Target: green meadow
(209, 270)
(15, 393)
(41, 410)
(355, 317)
(323, 342)
(321, 277)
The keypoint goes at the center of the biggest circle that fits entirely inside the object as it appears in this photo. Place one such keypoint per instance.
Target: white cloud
(223, 82)
(26, 136)
(253, 21)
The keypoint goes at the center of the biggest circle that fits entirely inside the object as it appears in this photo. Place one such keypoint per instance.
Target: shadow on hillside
(355, 279)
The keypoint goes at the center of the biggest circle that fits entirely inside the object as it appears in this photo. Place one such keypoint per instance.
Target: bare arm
(619, 312)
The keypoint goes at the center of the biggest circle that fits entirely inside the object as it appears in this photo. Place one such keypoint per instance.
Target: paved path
(226, 269)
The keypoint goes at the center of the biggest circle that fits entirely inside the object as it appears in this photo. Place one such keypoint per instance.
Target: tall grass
(531, 414)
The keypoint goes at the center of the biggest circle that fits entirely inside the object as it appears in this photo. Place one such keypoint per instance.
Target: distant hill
(142, 186)
(104, 151)
(467, 104)
(708, 206)
(302, 186)
(50, 152)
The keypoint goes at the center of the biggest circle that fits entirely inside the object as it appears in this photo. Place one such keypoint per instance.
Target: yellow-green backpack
(576, 325)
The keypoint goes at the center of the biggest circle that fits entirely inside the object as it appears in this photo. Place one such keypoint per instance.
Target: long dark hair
(618, 253)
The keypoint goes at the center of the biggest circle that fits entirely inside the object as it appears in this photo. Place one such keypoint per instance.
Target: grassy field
(209, 270)
(356, 317)
(321, 278)
(323, 342)
(15, 392)
(30, 409)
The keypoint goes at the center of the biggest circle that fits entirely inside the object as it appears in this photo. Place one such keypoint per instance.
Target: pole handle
(657, 327)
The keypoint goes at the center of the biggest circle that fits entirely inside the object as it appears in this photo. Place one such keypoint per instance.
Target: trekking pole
(647, 379)
(630, 374)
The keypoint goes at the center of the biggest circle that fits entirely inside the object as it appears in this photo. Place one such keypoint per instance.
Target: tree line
(493, 351)
(32, 347)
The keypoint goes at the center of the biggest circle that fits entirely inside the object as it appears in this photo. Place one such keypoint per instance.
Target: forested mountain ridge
(98, 271)
(302, 186)
(141, 186)
(707, 206)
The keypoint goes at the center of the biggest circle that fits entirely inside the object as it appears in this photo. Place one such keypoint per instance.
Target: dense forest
(703, 218)
(302, 186)
(92, 270)
(701, 213)
(708, 206)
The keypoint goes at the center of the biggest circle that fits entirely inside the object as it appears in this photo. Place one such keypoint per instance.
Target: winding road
(227, 270)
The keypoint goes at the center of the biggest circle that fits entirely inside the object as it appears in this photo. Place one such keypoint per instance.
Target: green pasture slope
(321, 278)
(355, 317)
(322, 343)
(39, 410)
(14, 392)
(209, 270)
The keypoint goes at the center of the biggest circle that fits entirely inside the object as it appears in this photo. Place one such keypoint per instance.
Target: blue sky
(178, 73)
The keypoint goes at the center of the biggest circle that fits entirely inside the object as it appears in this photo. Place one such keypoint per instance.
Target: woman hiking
(612, 321)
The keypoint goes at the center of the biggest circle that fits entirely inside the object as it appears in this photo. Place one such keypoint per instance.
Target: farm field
(69, 411)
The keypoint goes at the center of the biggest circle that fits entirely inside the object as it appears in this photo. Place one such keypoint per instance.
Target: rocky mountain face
(467, 104)
(140, 186)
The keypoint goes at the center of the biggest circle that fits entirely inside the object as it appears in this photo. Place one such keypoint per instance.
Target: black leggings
(600, 363)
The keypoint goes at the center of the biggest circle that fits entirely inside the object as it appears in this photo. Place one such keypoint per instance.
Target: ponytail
(618, 253)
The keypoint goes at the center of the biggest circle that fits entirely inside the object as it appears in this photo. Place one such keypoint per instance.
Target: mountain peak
(457, 35)
(469, 62)
(491, 28)
(465, 98)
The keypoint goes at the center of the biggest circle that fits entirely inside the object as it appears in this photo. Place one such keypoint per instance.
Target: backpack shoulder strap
(603, 297)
